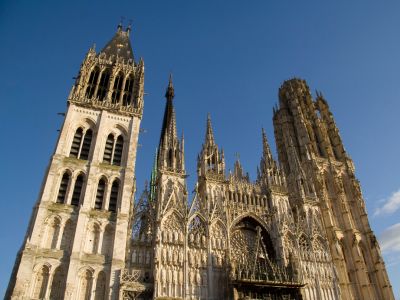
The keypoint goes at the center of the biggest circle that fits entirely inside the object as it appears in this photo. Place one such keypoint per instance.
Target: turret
(210, 161)
(269, 171)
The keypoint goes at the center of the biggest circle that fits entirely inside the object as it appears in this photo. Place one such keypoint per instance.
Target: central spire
(170, 155)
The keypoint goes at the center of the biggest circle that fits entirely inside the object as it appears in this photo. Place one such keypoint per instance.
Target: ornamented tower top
(113, 65)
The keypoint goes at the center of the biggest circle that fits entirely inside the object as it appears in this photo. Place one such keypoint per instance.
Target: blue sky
(227, 58)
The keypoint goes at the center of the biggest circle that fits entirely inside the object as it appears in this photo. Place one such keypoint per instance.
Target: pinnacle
(209, 132)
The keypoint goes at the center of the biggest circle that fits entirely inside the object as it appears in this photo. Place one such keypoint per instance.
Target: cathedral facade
(299, 231)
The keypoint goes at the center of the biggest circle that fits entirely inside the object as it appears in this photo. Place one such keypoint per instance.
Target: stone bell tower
(79, 230)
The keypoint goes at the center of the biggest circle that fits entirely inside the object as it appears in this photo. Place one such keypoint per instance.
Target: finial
(129, 28)
(119, 27)
(170, 90)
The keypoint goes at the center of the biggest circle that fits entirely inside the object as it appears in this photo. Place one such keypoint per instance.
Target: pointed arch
(68, 236)
(117, 89)
(76, 194)
(108, 240)
(119, 146)
(100, 286)
(101, 188)
(92, 82)
(76, 142)
(128, 91)
(58, 284)
(62, 191)
(41, 281)
(103, 84)
(112, 206)
(108, 149)
(85, 285)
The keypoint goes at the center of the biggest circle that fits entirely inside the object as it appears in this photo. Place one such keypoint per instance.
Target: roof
(119, 45)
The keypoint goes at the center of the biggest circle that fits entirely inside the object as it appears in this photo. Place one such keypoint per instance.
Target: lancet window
(76, 195)
(112, 206)
(81, 143)
(113, 150)
(42, 278)
(128, 89)
(116, 95)
(85, 285)
(62, 191)
(91, 85)
(58, 284)
(101, 187)
(103, 85)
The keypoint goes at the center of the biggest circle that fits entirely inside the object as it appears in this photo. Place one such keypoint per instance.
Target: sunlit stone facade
(299, 231)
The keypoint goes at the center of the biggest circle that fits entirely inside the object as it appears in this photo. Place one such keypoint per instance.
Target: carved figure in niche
(181, 237)
(170, 236)
(203, 240)
(163, 275)
(197, 239)
(204, 261)
(169, 255)
(175, 279)
(223, 244)
(158, 236)
(169, 275)
(190, 260)
(191, 238)
(213, 242)
(180, 257)
(164, 255)
(176, 236)
(198, 278)
(180, 277)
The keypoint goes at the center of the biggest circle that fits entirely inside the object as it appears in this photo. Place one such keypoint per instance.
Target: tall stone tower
(323, 189)
(76, 243)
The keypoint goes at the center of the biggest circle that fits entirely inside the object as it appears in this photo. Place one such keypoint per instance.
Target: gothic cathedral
(299, 231)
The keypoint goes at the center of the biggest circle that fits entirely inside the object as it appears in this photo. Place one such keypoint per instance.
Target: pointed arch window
(42, 278)
(81, 143)
(100, 286)
(101, 187)
(76, 195)
(58, 284)
(108, 149)
(113, 150)
(119, 145)
(128, 89)
(103, 85)
(85, 285)
(62, 191)
(114, 196)
(91, 86)
(117, 88)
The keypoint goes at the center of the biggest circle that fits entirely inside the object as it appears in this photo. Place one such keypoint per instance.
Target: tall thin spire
(209, 132)
(168, 130)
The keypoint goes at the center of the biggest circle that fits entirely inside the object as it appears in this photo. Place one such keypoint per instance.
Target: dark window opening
(87, 140)
(100, 194)
(62, 192)
(91, 87)
(103, 85)
(119, 145)
(128, 89)
(117, 89)
(76, 143)
(114, 196)
(76, 195)
(108, 149)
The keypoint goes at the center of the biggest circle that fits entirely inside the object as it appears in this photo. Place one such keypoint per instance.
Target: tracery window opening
(108, 148)
(114, 196)
(117, 88)
(62, 192)
(76, 195)
(128, 89)
(103, 85)
(91, 86)
(100, 194)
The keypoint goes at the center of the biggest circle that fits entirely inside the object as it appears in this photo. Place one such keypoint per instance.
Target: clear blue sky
(228, 58)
